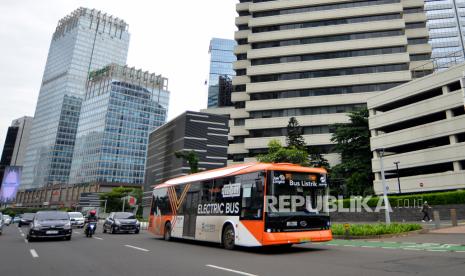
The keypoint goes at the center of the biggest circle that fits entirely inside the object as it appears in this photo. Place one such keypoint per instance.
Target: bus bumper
(297, 237)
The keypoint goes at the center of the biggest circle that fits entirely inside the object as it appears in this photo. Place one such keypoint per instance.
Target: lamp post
(398, 177)
(383, 180)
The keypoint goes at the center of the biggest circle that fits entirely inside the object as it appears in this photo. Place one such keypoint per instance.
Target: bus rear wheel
(167, 233)
(228, 237)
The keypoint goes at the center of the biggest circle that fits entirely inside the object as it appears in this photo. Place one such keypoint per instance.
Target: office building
(83, 41)
(121, 107)
(420, 126)
(205, 134)
(316, 61)
(15, 144)
(221, 72)
(446, 22)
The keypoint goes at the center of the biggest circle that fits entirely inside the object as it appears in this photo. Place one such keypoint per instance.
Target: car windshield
(52, 216)
(27, 216)
(124, 216)
(75, 215)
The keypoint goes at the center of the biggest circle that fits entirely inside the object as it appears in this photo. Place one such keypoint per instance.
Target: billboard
(10, 184)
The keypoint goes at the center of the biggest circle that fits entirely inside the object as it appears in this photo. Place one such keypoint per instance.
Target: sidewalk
(450, 230)
(447, 235)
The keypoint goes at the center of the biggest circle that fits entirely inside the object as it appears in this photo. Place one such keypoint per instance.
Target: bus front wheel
(167, 233)
(228, 237)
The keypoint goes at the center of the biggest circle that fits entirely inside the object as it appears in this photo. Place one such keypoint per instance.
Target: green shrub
(375, 229)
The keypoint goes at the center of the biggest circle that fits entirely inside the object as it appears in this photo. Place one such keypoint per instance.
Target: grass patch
(375, 229)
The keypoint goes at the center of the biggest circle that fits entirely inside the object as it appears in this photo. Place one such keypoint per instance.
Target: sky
(167, 37)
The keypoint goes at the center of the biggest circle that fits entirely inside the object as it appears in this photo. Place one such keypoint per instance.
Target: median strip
(97, 238)
(137, 248)
(231, 270)
(34, 253)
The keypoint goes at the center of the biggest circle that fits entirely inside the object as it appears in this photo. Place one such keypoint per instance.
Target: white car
(77, 219)
(6, 220)
(1, 223)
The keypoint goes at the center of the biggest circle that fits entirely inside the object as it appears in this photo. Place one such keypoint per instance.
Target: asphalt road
(126, 254)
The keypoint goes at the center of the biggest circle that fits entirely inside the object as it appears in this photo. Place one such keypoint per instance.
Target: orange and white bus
(252, 204)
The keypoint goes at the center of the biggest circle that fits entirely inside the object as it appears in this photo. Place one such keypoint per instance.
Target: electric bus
(252, 204)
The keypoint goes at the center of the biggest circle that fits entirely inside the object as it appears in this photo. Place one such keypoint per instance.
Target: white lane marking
(76, 232)
(137, 248)
(34, 253)
(26, 241)
(460, 251)
(231, 270)
(368, 246)
(436, 250)
(349, 245)
(416, 249)
(97, 238)
(389, 248)
(22, 235)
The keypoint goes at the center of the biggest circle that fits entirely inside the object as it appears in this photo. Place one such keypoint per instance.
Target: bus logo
(279, 179)
(231, 190)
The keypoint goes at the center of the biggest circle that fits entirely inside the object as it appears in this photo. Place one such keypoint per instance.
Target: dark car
(50, 224)
(26, 219)
(121, 222)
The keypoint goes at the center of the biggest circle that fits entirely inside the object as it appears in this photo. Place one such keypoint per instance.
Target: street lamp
(383, 180)
(398, 177)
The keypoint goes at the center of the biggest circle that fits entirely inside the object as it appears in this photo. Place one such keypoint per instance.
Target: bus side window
(252, 199)
(161, 202)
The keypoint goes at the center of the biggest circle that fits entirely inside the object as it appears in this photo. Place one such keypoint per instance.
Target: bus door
(190, 213)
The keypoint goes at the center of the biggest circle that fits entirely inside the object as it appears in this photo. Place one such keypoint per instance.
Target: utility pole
(398, 177)
(383, 180)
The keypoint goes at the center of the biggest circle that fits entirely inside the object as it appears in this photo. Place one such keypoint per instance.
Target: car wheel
(30, 239)
(104, 229)
(136, 232)
(228, 237)
(113, 230)
(167, 233)
(68, 238)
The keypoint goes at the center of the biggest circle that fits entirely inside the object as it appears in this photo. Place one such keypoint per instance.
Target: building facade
(83, 41)
(121, 107)
(205, 134)
(420, 126)
(15, 144)
(446, 22)
(316, 61)
(221, 72)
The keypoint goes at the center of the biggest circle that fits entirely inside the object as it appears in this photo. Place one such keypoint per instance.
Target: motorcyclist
(92, 217)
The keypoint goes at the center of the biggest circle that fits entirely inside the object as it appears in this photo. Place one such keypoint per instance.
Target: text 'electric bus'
(255, 204)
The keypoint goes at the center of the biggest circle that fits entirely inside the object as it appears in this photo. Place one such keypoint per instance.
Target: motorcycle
(90, 229)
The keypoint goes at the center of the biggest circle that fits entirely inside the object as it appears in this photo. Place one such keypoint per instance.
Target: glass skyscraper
(221, 72)
(446, 25)
(121, 107)
(83, 41)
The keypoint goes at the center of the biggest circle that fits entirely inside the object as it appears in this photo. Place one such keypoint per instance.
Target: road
(124, 254)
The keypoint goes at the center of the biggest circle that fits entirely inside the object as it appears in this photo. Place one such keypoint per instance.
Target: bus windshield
(294, 193)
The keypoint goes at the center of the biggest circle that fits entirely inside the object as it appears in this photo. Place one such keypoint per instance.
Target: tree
(294, 135)
(353, 142)
(192, 159)
(317, 159)
(279, 154)
(113, 198)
